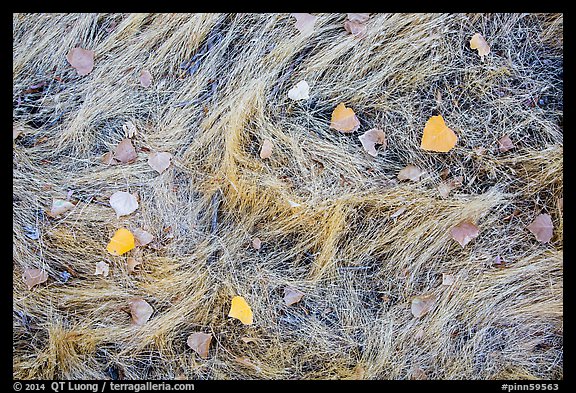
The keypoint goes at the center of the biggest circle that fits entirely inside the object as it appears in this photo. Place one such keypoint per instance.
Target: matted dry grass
(358, 267)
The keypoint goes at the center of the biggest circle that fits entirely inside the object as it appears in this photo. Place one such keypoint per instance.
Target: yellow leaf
(437, 136)
(478, 42)
(239, 309)
(344, 119)
(121, 242)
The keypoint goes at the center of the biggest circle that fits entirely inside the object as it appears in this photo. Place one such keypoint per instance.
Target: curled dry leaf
(125, 152)
(59, 206)
(159, 161)
(448, 279)
(422, 304)
(371, 138)
(300, 91)
(505, 144)
(102, 269)
(437, 136)
(266, 149)
(410, 172)
(478, 42)
(142, 237)
(304, 23)
(200, 342)
(256, 243)
(464, 232)
(123, 203)
(34, 277)
(292, 296)
(542, 228)
(344, 120)
(121, 242)
(132, 263)
(82, 60)
(140, 311)
(241, 310)
(145, 78)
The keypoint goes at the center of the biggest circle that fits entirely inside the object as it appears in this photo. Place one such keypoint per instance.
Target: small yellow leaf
(344, 119)
(478, 42)
(239, 309)
(437, 136)
(122, 242)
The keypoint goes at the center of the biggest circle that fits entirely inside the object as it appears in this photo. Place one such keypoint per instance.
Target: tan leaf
(102, 269)
(422, 304)
(82, 60)
(446, 186)
(344, 119)
(159, 161)
(300, 91)
(142, 237)
(59, 206)
(256, 243)
(266, 149)
(125, 152)
(448, 279)
(478, 42)
(132, 263)
(304, 23)
(123, 203)
(542, 228)
(410, 172)
(145, 78)
(34, 277)
(292, 296)
(357, 29)
(140, 311)
(464, 232)
(109, 159)
(505, 144)
(200, 342)
(371, 138)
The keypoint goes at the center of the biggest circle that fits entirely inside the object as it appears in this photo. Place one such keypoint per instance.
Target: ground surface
(334, 222)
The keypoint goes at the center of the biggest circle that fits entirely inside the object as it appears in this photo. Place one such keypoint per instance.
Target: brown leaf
(304, 23)
(505, 144)
(34, 277)
(82, 60)
(446, 186)
(422, 304)
(464, 232)
(371, 138)
(200, 342)
(142, 237)
(256, 243)
(542, 228)
(102, 269)
(59, 206)
(410, 172)
(159, 161)
(266, 149)
(145, 78)
(132, 263)
(418, 374)
(292, 296)
(140, 310)
(125, 152)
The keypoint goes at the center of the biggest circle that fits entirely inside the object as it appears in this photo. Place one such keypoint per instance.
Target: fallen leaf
(16, 131)
(542, 228)
(446, 186)
(125, 152)
(304, 23)
(123, 203)
(266, 149)
(344, 119)
(422, 304)
(464, 232)
(448, 279)
(256, 243)
(145, 78)
(59, 206)
(478, 42)
(418, 374)
(292, 295)
(358, 17)
(102, 269)
(82, 60)
(437, 136)
(34, 277)
(410, 172)
(109, 159)
(371, 138)
(200, 342)
(121, 242)
(129, 129)
(245, 361)
(239, 309)
(142, 237)
(300, 91)
(159, 161)
(358, 30)
(132, 263)
(505, 144)
(499, 261)
(140, 311)
(358, 372)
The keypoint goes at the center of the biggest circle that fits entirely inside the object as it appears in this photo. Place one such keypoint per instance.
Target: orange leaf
(266, 149)
(200, 342)
(542, 228)
(304, 23)
(140, 311)
(421, 305)
(34, 277)
(478, 42)
(145, 78)
(371, 138)
(464, 232)
(121, 242)
(344, 119)
(82, 60)
(239, 309)
(437, 136)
